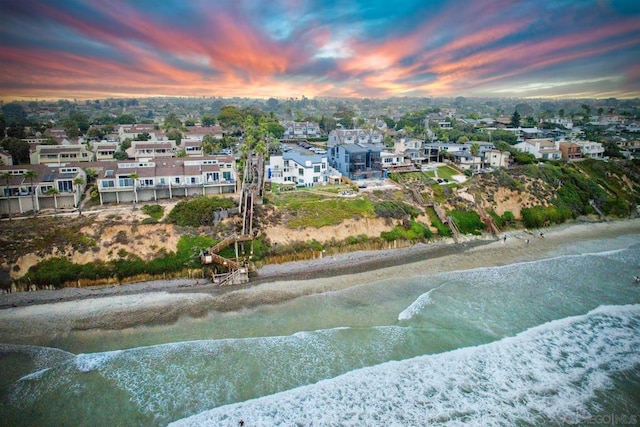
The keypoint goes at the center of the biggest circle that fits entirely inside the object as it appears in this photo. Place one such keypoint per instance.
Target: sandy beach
(26, 317)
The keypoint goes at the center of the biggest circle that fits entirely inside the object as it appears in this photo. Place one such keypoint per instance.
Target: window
(316, 168)
(226, 176)
(125, 181)
(147, 182)
(177, 180)
(65, 186)
(300, 171)
(107, 183)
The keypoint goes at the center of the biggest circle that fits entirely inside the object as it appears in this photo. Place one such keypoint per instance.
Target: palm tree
(79, 182)
(54, 192)
(134, 176)
(31, 175)
(7, 176)
(475, 152)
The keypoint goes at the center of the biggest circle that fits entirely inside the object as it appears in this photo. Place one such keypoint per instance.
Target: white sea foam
(93, 361)
(542, 375)
(417, 306)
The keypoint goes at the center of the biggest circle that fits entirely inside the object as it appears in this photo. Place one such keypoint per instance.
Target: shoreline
(34, 317)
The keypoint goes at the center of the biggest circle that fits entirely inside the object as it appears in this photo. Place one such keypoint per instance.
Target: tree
(134, 176)
(229, 116)
(208, 120)
(175, 134)
(54, 192)
(515, 119)
(209, 144)
(18, 149)
(31, 175)
(172, 121)
(79, 182)
(126, 119)
(7, 177)
(144, 136)
(475, 152)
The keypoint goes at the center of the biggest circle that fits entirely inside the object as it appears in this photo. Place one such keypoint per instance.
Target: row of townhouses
(166, 178)
(27, 188)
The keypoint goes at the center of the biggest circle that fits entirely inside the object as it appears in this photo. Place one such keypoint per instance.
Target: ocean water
(550, 342)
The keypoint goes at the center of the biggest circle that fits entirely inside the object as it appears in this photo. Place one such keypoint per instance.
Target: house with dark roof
(357, 161)
(20, 193)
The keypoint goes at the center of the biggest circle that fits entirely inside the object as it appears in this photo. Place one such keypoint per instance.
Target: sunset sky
(89, 49)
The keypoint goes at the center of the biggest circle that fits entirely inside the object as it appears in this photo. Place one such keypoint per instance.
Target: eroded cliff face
(116, 232)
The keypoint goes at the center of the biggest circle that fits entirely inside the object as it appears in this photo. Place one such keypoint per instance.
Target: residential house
(301, 170)
(166, 178)
(199, 132)
(60, 154)
(357, 161)
(567, 122)
(496, 158)
(355, 136)
(591, 150)
(140, 150)
(19, 195)
(192, 147)
(5, 158)
(545, 149)
(104, 150)
(570, 151)
(394, 160)
(300, 130)
(411, 148)
(465, 160)
(633, 127)
(134, 131)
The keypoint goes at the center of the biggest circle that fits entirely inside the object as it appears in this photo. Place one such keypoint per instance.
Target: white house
(301, 170)
(590, 149)
(546, 149)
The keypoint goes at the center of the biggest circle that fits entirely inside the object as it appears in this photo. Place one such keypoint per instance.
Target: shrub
(443, 230)
(199, 211)
(468, 222)
(542, 216)
(154, 211)
(411, 230)
(395, 209)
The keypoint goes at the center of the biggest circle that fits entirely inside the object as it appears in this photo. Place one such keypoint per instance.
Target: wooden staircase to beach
(252, 188)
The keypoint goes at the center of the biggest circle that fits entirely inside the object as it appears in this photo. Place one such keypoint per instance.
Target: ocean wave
(543, 375)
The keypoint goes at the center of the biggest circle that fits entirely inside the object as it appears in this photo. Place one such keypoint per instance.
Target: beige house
(104, 150)
(20, 194)
(60, 154)
(140, 150)
(496, 158)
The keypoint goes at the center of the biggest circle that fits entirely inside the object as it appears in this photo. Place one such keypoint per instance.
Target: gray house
(357, 161)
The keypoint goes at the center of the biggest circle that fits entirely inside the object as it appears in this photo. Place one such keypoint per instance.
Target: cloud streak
(90, 49)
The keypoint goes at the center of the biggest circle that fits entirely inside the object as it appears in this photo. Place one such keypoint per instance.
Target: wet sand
(26, 316)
